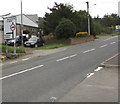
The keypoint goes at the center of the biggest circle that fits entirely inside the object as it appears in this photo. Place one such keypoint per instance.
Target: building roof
(26, 21)
(33, 17)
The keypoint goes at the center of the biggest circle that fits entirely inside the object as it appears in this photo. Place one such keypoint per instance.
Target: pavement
(102, 86)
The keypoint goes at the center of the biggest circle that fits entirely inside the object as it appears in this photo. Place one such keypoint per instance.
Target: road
(41, 78)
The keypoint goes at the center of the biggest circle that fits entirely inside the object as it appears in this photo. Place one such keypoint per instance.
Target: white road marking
(13, 62)
(104, 46)
(110, 38)
(66, 57)
(88, 50)
(98, 69)
(110, 58)
(53, 99)
(26, 59)
(14, 74)
(88, 76)
(113, 43)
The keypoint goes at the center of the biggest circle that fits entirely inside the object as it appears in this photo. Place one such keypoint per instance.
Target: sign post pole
(10, 31)
(6, 46)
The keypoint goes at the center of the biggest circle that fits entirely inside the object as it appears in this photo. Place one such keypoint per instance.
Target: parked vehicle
(18, 40)
(34, 42)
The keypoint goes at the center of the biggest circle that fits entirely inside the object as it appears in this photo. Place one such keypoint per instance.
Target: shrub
(82, 34)
(65, 29)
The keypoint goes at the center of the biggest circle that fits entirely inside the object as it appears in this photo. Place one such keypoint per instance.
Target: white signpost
(10, 30)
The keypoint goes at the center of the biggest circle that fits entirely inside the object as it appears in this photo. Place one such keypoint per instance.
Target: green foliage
(52, 46)
(110, 20)
(80, 20)
(11, 49)
(65, 29)
(58, 12)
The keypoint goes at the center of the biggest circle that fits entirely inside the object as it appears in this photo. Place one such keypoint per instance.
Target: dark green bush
(65, 29)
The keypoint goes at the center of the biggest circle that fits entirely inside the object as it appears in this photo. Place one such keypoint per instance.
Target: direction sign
(10, 28)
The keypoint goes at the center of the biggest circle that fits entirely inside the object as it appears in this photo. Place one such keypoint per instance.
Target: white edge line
(66, 57)
(90, 75)
(112, 57)
(11, 75)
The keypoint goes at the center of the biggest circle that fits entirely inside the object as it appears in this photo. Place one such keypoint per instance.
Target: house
(29, 24)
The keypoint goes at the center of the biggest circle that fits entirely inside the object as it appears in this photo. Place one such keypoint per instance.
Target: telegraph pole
(21, 23)
(88, 18)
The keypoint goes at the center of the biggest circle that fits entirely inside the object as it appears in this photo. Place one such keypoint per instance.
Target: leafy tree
(80, 20)
(65, 29)
(110, 20)
(57, 12)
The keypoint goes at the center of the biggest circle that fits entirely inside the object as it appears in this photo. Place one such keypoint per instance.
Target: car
(18, 40)
(34, 42)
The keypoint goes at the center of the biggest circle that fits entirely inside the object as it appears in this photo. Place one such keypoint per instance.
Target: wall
(81, 40)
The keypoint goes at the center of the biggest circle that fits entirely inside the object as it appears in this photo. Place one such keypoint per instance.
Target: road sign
(10, 28)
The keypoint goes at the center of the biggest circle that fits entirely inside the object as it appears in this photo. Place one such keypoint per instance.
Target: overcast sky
(39, 7)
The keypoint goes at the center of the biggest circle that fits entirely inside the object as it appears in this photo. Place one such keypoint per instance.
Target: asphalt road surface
(41, 79)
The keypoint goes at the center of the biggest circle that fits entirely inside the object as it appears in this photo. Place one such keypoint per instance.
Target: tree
(110, 20)
(65, 29)
(58, 12)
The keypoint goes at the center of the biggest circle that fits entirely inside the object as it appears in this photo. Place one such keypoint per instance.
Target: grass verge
(52, 46)
(11, 49)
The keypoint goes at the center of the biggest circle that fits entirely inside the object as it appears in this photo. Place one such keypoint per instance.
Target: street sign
(10, 28)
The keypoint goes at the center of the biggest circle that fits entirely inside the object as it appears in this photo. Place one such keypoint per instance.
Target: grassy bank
(11, 49)
(52, 46)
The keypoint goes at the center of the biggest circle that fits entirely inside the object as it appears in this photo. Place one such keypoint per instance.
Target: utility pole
(88, 18)
(21, 24)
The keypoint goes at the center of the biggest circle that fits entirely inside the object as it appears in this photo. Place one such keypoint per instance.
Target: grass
(52, 46)
(11, 49)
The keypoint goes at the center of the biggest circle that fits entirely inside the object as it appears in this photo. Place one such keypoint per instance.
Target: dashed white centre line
(104, 46)
(14, 74)
(88, 50)
(113, 43)
(66, 57)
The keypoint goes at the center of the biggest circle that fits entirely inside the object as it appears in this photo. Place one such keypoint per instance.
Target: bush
(65, 29)
(81, 34)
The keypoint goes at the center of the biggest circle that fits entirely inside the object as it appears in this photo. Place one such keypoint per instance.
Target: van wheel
(36, 45)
